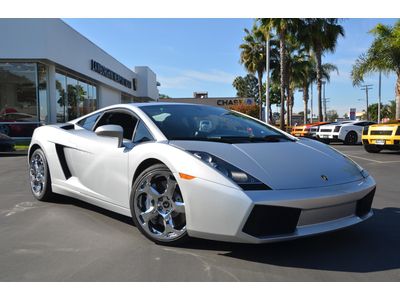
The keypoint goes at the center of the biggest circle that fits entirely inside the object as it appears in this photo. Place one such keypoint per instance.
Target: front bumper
(223, 213)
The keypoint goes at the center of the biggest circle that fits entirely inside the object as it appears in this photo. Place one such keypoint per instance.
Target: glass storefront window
(61, 95)
(18, 99)
(126, 98)
(75, 97)
(42, 92)
(83, 98)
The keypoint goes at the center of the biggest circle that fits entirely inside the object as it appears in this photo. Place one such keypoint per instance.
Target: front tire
(157, 206)
(372, 149)
(39, 175)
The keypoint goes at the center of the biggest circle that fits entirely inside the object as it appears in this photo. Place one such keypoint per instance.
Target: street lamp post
(379, 96)
(324, 99)
(267, 100)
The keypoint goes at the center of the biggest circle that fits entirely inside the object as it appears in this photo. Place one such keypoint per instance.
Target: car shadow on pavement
(367, 247)
(371, 246)
(65, 200)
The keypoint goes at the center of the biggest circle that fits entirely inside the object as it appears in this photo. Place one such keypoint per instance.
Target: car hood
(283, 165)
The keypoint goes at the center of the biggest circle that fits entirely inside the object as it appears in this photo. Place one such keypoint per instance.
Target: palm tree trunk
(288, 117)
(259, 74)
(318, 55)
(270, 114)
(398, 96)
(282, 55)
(305, 101)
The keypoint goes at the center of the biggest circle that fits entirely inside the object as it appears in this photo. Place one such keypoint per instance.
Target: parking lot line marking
(376, 161)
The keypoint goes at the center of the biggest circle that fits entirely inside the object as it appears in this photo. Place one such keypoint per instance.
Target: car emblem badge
(325, 178)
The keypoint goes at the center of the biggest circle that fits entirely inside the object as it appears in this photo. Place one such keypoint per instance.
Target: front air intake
(364, 205)
(266, 220)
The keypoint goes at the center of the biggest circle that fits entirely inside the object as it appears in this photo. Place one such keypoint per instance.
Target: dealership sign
(234, 101)
(352, 113)
(106, 72)
(214, 101)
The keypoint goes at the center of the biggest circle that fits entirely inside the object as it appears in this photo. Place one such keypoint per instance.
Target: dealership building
(50, 73)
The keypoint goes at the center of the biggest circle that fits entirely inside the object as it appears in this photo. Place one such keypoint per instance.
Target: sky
(191, 55)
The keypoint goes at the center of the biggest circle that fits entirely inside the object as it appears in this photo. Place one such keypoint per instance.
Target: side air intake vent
(364, 205)
(68, 127)
(62, 160)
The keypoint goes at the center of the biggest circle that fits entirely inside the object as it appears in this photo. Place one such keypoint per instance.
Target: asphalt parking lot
(68, 240)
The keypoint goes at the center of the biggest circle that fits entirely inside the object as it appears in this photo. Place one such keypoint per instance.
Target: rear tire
(351, 138)
(157, 206)
(372, 149)
(39, 175)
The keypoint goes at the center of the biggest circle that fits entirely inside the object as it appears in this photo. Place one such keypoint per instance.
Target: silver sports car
(184, 170)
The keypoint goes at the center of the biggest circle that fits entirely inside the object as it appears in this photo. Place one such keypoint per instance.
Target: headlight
(241, 178)
(337, 128)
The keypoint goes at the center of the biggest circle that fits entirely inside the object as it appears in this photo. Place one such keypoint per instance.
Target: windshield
(200, 122)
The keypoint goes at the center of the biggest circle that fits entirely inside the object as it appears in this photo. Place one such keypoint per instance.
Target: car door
(100, 167)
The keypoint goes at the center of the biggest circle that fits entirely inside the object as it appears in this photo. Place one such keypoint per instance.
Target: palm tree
(383, 55)
(282, 28)
(253, 57)
(320, 35)
(310, 76)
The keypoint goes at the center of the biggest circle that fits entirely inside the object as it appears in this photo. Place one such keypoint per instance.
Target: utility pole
(267, 100)
(379, 96)
(311, 104)
(366, 88)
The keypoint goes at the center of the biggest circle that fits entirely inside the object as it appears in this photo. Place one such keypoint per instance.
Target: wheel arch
(32, 149)
(148, 162)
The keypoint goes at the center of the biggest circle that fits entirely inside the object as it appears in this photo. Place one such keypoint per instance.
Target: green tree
(282, 28)
(332, 115)
(246, 86)
(253, 58)
(320, 36)
(163, 96)
(383, 55)
(310, 76)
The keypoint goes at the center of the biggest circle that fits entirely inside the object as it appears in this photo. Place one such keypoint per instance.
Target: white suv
(348, 132)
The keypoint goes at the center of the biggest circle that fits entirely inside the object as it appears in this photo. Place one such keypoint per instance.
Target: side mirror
(111, 131)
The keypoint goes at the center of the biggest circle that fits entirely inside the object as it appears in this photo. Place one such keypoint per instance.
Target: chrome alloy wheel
(37, 172)
(159, 207)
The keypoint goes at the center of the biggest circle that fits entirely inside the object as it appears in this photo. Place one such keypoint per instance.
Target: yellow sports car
(381, 136)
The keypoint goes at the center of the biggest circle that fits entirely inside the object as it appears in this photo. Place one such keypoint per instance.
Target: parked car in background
(7, 144)
(348, 132)
(19, 129)
(378, 137)
(307, 130)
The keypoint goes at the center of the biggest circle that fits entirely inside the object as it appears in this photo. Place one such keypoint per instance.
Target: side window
(142, 134)
(125, 120)
(89, 122)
